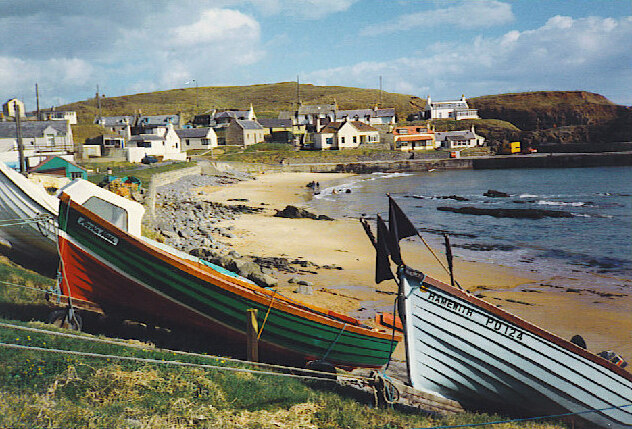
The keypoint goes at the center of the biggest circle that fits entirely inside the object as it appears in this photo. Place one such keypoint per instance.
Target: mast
(380, 93)
(298, 93)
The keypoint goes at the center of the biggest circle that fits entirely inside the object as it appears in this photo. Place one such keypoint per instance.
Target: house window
(187, 141)
(76, 175)
(329, 141)
(342, 140)
(50, 139)
(205, 142)
(355, 139)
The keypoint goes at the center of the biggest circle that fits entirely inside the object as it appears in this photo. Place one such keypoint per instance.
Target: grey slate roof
(232, 114)
(192, 133)
(146, 137)
(275, 123)
(454, 135)
(316, 108)
(159, 120)
(32, 129)
(249, 125)
(111, 121)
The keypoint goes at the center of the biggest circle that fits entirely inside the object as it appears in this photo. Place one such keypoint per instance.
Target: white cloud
(467, 15)
(565, 54)
(54, 76)
(216, 26)
(303, 9)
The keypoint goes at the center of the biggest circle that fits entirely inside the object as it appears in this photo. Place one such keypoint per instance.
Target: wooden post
(252, 333)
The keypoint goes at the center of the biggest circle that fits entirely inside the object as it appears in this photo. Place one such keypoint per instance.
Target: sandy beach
(340, 265)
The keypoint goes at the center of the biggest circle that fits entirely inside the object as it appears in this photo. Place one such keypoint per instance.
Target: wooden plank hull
(105, 265)
(22, 200)
(486, 358)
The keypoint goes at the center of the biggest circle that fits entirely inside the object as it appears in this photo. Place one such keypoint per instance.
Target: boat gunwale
(522, 323)
(28, 192)
(231, 284)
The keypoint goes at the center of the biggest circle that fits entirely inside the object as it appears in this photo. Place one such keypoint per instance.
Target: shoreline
(323, 246)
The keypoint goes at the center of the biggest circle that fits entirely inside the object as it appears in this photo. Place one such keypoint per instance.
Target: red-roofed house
(414, 137)
(345, 135)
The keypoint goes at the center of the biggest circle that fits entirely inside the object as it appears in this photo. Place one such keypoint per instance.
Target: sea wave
(564, 203)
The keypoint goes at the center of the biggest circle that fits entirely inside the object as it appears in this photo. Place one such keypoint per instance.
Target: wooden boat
(28, 217)
(486, 358)
(106, 261)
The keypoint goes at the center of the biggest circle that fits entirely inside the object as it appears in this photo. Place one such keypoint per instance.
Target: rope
(267, 313)
(30, 288)
(390, 355)
(191, 354)
(553, 416)
(433, 253)
(156, 361)
(335, 341)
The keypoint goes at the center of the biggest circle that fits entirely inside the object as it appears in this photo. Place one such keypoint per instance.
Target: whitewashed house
(313, 116)
(38, 137)
(455, 109)
(459, 139)
(164, 144)
(120, 125)
(373, 116)
(197, 138)
(10, 107)
(345, 135)
(59, 115)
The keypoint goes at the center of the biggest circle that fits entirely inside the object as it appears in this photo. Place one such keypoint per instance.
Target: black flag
(399, 227)
(382, 263)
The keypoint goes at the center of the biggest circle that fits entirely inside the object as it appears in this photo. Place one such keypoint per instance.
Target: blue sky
(444, 48)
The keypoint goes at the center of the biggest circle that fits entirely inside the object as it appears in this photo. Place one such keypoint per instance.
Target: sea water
(596, 240)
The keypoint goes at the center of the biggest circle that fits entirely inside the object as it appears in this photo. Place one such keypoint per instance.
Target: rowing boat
(106, 261)
(474, 352)
(28, 218)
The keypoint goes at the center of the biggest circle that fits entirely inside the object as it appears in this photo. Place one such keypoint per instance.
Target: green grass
(267, 100)
(53, 390)
(123, 168)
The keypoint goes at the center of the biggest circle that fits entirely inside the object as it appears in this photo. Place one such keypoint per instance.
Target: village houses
(455, 109)
(345, 135)
(459, 139)
(414, 137)
(197, 138)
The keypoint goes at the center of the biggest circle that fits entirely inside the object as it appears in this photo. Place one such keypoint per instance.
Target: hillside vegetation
(267, 100)
(533, 117)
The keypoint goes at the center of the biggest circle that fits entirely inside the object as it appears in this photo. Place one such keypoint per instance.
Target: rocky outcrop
(296, 213)
(510, 213)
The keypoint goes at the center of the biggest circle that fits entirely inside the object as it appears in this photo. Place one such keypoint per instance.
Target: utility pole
(380, 93)
(298, 93)
(18, 134)
(39, 118)
(197, 98)
(98, 103)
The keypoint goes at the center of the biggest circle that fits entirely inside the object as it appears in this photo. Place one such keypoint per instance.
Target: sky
(442, 48)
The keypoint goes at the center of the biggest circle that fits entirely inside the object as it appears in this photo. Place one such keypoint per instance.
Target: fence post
(252, 333)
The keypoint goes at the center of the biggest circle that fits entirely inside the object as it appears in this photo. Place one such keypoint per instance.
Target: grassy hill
(267, 100)
(531, 111)
(534, 117)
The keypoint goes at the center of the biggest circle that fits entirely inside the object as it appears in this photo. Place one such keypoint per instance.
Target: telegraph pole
(98, 103)
(18, 134)
(39, 118)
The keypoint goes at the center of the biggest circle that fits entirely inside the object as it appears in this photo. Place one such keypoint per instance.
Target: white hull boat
(486, 358)
(28, 218)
